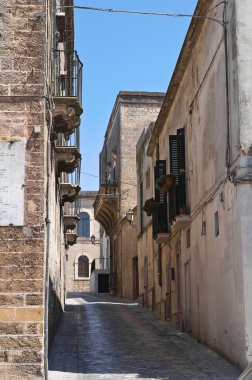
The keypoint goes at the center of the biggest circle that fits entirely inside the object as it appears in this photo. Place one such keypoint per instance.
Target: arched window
(84, 225)
(83, 266)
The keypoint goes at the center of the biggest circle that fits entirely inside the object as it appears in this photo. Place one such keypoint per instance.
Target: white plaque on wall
(12, 175)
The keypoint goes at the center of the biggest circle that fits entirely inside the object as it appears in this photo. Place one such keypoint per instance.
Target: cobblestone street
(102, 337)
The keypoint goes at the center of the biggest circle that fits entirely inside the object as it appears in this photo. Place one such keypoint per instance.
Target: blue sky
(123, 52)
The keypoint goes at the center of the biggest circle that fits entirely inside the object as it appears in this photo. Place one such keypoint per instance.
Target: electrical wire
(110, 10)
(106, 179)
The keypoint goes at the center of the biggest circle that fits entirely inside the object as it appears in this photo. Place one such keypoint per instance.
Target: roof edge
(128, 96)
(190, 41)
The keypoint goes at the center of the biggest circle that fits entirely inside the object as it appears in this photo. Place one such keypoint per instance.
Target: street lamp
(129, 216)
(94, 240)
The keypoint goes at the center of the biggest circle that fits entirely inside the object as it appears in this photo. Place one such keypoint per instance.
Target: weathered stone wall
(132, 112)
(22, 106)
(135, 116)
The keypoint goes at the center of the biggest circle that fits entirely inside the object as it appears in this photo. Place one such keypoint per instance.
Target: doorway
(135, 278)
(103, 283)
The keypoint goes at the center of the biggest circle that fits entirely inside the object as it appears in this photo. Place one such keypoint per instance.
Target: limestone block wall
(22, 106)
(134, 118)
(83, 247)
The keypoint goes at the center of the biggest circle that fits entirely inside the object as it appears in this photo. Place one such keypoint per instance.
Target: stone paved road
(102, 337)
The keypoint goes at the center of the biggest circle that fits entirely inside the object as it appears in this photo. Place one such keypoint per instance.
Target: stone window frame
(84, 225)
(76, 262)
(90, 212)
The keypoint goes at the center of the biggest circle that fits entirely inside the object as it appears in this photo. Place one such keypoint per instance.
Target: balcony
(180, 222)
(105, 206)
(163, 238)
(71, 238)
(70, 222)
(60, 20)
(67, 158)
(67, 91)
(69, 192)
(60, 6)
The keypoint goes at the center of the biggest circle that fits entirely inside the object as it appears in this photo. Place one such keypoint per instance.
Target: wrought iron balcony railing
(60, 6)
(67, 74)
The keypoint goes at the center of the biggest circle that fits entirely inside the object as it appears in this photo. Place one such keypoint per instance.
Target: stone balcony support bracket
(180, 222)
(66, 114)
(71, 238)
(67, 158)
(105, 207)
(69, 192)
(70, 222)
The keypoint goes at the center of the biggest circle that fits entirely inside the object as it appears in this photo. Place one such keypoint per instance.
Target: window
(141, 207)
(188, 238)
(147, 178)
(216, 223)
(177, 196)
(84, 225)
(83, 266)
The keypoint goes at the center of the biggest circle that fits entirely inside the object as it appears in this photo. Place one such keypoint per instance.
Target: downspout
(47, 122)
(228, 153)
(46, 330)
(46, 273)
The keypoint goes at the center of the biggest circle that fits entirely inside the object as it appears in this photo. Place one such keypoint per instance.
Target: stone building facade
(39, 119)
(197, 269)
(81, 256)
(132, 112)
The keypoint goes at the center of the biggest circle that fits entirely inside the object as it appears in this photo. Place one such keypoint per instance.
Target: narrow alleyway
(102, 337)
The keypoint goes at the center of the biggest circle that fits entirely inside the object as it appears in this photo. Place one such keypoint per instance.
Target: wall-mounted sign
(12, 176)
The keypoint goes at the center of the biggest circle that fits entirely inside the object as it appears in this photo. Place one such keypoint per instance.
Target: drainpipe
(47, 251)
(228, 153)
(46, 303)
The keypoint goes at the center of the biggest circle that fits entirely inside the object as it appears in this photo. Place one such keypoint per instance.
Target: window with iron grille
(84, 225)
(83, 266)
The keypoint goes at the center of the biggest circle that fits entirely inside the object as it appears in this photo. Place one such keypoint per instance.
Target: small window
(188, 238)
(216, 223)
(141, 208)
(83, 266)
(147, 178)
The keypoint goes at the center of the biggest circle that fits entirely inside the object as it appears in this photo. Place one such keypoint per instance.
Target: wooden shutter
(159, 170)
(181, 168)
(159, 216)
(173, 140)
(173, 207)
